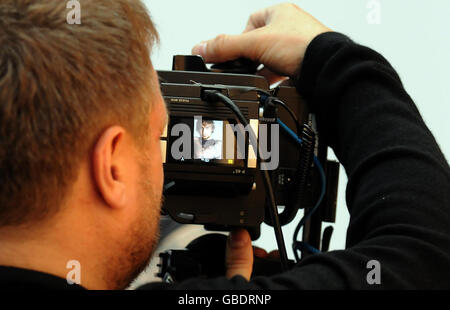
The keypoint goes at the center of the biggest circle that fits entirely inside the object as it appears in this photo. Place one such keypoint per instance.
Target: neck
(49, 249)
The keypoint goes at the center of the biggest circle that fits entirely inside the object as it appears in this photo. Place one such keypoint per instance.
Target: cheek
(160, 172)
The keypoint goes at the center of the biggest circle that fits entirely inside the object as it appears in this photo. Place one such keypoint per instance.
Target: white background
(413, 35)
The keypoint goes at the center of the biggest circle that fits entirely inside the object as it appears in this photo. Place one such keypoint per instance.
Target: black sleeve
(398, 191)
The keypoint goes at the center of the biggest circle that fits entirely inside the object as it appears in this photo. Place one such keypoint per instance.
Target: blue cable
(289, 131)
(316, 163)
(322, 191)
(303, 245)
(321, 175)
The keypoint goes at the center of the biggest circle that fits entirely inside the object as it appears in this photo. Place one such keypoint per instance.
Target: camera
(214, 151)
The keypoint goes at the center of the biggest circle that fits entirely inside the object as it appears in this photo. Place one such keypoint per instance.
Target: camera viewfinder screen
(203, 141)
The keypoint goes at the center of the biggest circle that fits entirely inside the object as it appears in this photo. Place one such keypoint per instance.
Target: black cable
(303, 168)
(291, 113)
(314, 208)
(214, 96)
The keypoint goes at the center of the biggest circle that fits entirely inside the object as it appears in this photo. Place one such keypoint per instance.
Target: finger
(239, 255)
(274, 255)
(257, 20)
(258, 252)
(225, 47)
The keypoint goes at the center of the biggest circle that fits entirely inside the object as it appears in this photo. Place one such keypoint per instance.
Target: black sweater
(398, 191)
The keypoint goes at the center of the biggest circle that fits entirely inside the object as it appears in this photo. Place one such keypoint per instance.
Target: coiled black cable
(303, 168)
(308, 137)
(301, 176)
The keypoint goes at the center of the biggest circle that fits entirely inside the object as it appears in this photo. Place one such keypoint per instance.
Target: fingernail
(200, 49)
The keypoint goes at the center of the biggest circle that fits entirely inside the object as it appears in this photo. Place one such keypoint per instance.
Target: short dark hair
(61, 85)
(204, 123)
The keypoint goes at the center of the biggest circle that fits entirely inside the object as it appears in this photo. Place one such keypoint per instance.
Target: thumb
(239, 254)
(224, 47)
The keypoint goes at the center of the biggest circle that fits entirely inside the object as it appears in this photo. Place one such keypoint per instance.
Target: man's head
(81, 114)
(205, 129)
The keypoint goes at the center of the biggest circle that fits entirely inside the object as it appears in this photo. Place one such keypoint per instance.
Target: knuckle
(289, 5)
(220, 40)
(239, 264)
(218, 45)
(295, 6)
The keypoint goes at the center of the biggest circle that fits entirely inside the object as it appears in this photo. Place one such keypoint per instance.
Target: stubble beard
(142, 239)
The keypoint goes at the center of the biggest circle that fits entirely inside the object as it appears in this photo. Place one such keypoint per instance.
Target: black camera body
(214, 190)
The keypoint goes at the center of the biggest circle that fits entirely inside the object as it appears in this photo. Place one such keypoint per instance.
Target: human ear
(108, 167)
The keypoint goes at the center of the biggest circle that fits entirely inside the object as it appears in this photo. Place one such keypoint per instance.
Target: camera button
(186, 216)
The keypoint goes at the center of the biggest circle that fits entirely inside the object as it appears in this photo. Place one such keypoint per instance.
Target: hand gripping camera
(236, 151)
